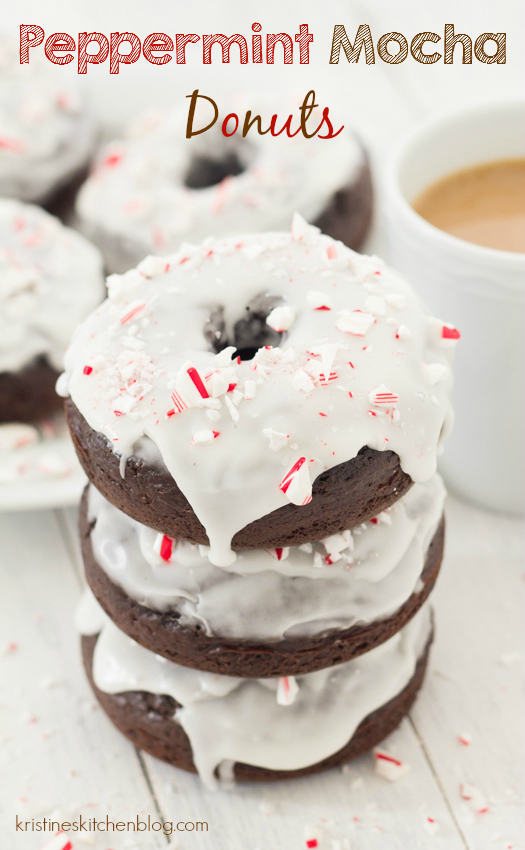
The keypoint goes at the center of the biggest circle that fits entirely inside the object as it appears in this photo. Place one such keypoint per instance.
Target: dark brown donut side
(348, 215)
(343, 497)
(29, 395)
(147, 721)
(162, 632)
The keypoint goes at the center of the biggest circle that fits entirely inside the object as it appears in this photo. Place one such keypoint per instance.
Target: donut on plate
(47, 134)
(154, 189)
(253, 729)
(50, 278)
(258, 391)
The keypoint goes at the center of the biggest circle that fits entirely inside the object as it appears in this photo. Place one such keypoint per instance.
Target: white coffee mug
(481, 291)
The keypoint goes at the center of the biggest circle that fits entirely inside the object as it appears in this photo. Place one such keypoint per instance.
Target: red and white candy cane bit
(448, 332)
(112, 160)
(87, 370)
(132, 313)
(179, 403)
(382, 756)
(331, 252)
(312, 843)
(385, 398)
(197, 380)
(166, 548)
(327, 379)
(11, 144)
(287, 480)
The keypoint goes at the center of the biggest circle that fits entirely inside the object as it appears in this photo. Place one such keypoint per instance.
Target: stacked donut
(259, 419)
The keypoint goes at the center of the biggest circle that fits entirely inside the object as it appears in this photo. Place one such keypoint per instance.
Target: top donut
(153, 189)
(46, 134)
(339, 354)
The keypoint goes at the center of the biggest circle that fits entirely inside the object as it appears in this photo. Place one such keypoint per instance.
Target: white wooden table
(60, 754)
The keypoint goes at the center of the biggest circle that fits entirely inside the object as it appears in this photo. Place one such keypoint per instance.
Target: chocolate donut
(50, 278)
(254, 729)
(259, 391)
(153, 190)
(274, 613)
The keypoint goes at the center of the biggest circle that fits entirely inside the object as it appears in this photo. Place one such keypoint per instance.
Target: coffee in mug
(484, 204)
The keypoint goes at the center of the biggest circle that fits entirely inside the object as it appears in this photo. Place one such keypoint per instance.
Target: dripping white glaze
(239, 720)
(136, 201)
(50, 278)
(243, 439)
(357, 577)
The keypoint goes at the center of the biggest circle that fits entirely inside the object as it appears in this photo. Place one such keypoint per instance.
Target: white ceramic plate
(38, 467)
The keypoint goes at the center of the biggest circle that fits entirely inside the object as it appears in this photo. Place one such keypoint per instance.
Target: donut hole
(249, 333)
(205, 171)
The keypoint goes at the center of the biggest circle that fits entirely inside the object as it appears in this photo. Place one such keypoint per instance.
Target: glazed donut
(343, 404)
(153, 189)
(50, 278)
(261, 729)
(47, 134)
(324, 603)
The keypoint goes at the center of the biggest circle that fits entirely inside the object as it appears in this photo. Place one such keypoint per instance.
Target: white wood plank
(475, 688)
(58, 749)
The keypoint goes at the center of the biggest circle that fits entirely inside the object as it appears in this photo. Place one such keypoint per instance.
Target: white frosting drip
(244, 720)
(136, 201)
(50, 278)
(243, 439)
(46, 134)
(358, 577)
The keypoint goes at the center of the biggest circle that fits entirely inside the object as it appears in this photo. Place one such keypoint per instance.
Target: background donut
(152, 190)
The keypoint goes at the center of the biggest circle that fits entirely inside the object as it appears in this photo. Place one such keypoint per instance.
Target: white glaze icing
(136, 202)
(50, 278)
(46, 132)
(240, 720)
(243, 439)
(358, 577)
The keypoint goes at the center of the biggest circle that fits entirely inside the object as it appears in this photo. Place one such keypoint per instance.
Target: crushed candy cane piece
(166, 548)
(281, 553)
(296, 483)
(354, 322)
(403, 332)
(302, 381)
(134, 309)
(450, 332)
(319, 300)
(204, 437)
(471, 794)
(287, 690)
(278, 440)
(197, 380)
(281, 318)
(382, 395)
(465, 739)
(388, 767)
